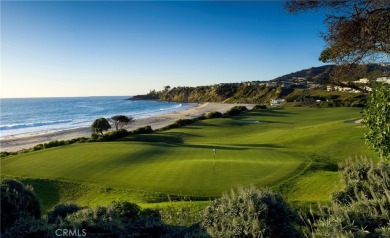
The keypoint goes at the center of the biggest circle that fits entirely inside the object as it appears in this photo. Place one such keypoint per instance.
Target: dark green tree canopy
(121, 120)
(100, 125)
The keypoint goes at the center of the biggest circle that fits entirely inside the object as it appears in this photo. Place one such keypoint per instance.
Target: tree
(100, 125)
(377, 119)
(121, 120)
(358, 31)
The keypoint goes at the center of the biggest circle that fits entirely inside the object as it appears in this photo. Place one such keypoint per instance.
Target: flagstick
(214, 164)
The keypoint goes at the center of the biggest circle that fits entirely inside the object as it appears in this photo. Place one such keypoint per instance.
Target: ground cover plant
(286, 147)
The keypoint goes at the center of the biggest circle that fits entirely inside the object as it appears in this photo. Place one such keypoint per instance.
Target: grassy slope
(180, 161)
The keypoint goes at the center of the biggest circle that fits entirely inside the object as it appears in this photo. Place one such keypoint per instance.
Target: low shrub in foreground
(362, 207)
(17, 201)
(60, 212)
(249, 213)
(29, 227)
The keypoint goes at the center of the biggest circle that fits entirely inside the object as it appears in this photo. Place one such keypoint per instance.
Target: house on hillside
(362, 81)
(383, 80)
(276, 102)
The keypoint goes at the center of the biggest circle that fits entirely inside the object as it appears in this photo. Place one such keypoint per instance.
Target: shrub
(6, 154)
(126, 210)
(61, 211)
(78, 140)
(114, 135)
(38, 147)
(362, 208)
(184, 122)
(28, 227)
(143, 130)
(55, 143)
(94, 136)
(235, 111)
(97, 221)
(213, 114)
(17, 201)
(249, 213)
(258, 107)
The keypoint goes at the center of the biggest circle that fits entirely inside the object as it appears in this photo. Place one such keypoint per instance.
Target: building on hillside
(271, 84)
(383, 80)
(276, 102)
(367, 89)
(314, 85)
(362, 81)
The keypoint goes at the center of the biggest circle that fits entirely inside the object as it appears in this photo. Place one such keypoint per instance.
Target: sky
(100, 48)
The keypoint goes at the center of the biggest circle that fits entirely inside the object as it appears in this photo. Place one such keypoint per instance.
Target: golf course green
(294, 149)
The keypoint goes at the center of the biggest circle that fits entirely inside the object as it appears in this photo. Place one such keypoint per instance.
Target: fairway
(273, 150)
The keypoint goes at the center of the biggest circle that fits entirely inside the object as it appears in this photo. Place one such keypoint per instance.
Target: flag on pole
(215, 150)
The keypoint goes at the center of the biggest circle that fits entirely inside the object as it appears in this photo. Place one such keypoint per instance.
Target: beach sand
(17, 143)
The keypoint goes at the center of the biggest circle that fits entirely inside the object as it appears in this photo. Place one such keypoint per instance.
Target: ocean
(24, 116)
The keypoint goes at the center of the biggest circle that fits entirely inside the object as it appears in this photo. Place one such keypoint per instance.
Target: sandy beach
(24, 142)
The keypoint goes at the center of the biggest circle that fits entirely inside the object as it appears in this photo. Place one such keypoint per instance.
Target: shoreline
(17, 143)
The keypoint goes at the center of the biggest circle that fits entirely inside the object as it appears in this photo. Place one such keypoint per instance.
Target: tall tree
(100, 125)
(358, 31)
(121, 120)
(376, 117)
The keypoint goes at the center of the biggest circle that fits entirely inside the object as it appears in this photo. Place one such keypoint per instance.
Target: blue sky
(90, 48)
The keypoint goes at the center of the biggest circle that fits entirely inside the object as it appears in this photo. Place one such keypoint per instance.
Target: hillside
(308, 86)
(322, 73)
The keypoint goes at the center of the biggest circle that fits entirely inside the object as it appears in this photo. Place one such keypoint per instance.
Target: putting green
(157, 167)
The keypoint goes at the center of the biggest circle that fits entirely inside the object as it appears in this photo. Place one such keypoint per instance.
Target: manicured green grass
(272, 152)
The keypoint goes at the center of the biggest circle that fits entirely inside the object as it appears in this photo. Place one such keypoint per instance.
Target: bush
(38, 147)
(362, 208)
(29, 227)
(249, 213)
(55, 143)
(97, 221)
(5, 154)
(78, 140)
(184, 122)
(61, 211)
(143, 130)
(17, 201)
(114, 135)
(258, 107)
(126, 210)
(235, 111)
(213, 114)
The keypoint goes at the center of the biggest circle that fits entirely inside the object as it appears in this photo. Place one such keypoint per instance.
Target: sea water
(23, 116)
